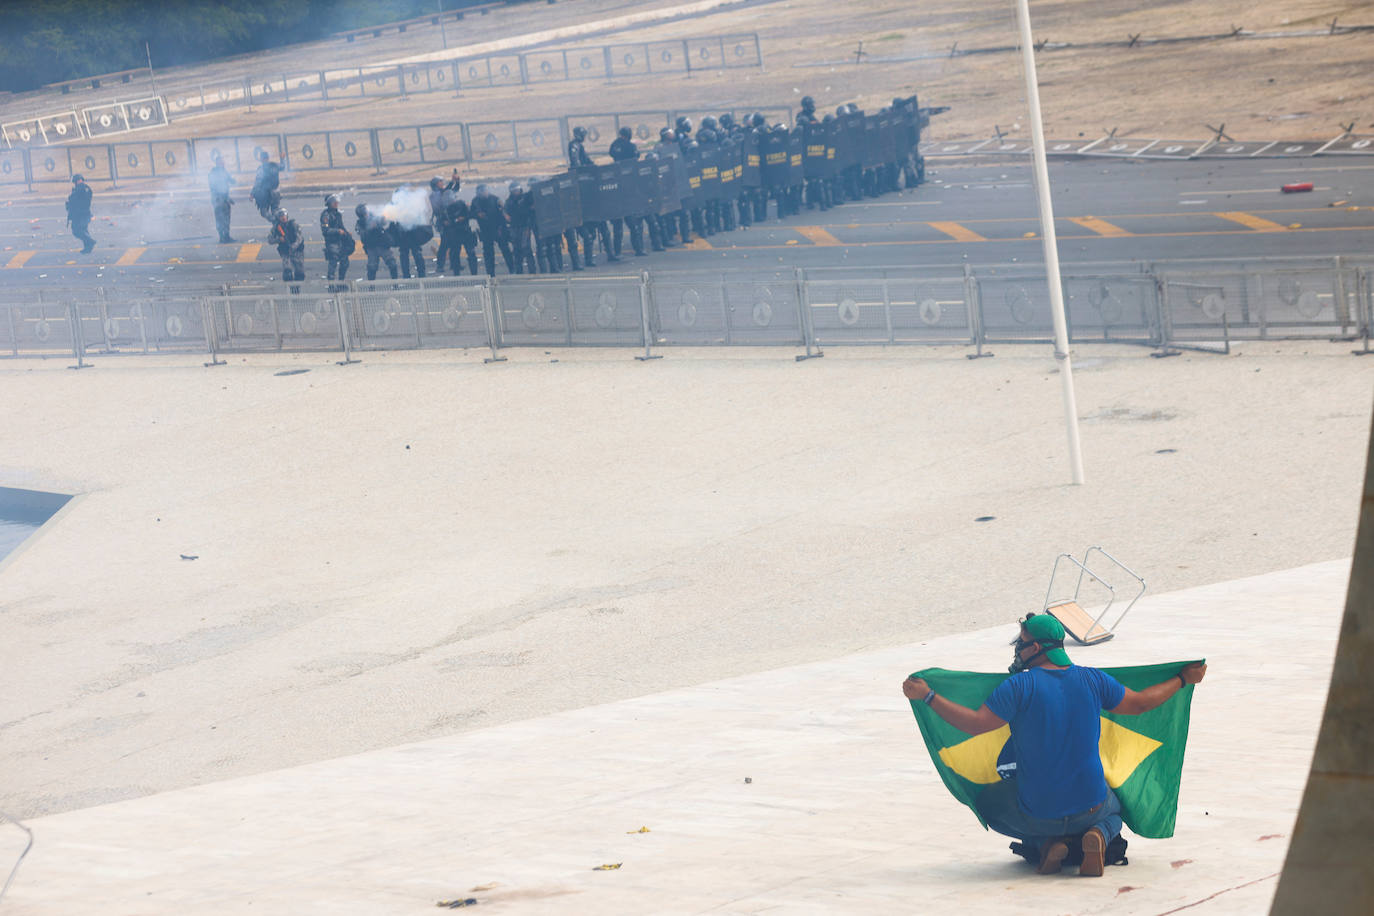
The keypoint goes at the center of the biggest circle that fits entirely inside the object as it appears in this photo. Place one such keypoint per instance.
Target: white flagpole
(1042, 193)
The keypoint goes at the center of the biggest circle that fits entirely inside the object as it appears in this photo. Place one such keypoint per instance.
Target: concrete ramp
(802, 789)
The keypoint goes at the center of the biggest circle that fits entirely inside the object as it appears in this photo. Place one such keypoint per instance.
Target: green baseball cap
(1045, 629)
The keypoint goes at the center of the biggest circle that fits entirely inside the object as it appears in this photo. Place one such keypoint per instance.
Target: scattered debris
(610, 866)
(455, 904)
(985, 518)
(185, 556)
(1296, 187)
(297, 372)
(641, 829)
(1338, 203)
(748, 779)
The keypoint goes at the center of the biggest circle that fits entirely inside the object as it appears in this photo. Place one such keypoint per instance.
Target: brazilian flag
(1142, 756)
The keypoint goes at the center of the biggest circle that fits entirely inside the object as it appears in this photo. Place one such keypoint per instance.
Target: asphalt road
(1105, 210)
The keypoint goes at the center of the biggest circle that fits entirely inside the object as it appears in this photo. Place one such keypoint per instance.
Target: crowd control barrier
(1162, 305)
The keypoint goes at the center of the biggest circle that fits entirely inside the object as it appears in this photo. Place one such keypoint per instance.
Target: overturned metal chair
(1099, 574)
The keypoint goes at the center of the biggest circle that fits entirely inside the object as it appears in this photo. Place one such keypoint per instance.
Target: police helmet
(279, 214)
(808, 103)
(624, 133)
(651, 156)
(331, 199)
(482, 190)
(666, 135)
(709, 123)
(827, 119)
(579, 133)
(360, 211)
(436, 183)
(684, 124)
(515, 188)
(727, 120)
(691, 144)
(841, 110)
(78, 177)
(757, 119)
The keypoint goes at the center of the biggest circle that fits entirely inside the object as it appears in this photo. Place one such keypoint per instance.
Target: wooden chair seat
(1079, 624)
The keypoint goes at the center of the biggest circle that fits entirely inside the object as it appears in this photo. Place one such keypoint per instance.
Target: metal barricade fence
(1157, 305)
(856, 307)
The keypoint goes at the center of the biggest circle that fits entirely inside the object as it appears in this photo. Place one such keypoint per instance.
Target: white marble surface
(842, 814)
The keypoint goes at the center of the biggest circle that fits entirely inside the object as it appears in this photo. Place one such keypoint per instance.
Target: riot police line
(692, 183)
(722, 176)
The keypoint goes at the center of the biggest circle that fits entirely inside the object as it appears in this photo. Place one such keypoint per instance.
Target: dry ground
(1294, 88)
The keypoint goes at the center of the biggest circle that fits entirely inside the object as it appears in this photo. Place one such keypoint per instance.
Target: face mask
(1020, 664)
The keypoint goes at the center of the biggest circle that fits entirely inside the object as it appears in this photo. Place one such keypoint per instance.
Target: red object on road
(1297, 186)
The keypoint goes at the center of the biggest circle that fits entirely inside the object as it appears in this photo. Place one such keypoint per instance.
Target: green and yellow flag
(1142, 756)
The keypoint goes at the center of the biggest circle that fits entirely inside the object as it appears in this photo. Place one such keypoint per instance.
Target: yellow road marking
(19, 260)
(248, 253)
(1258, 223)
(698, 245)
(818, 236)
(1100, 226)
(957, 232)
(130, 256)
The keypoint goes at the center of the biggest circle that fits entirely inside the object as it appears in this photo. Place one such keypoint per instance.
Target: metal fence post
(78, 345)
(376, 145)
(493, 327)
(26, 157)
(687, 57)
(207, 316)
(401, 78)
(610, 65)
(758, 52)
(804, 316)
(344, 341)
(114, 165)
(973, 302)
(324, 87)
(644, 317)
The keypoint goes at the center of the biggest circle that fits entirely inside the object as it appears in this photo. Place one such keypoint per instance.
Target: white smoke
(408, 206)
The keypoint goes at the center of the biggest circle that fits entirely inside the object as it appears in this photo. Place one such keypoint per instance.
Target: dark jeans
(221, 207)
(1002, 811)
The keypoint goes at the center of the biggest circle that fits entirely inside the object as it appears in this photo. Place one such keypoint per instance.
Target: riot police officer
(79, 212)
(624, 149)
(338, 244)
(807, 115)
(577, 151)
(220, 182)
(458, 234)
(266, 186)
(372, 232)
(491, 220)
(520, 208)
(290, 242)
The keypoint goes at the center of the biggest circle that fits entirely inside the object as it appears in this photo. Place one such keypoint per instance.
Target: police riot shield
(851, 149)
(602, 194)
(647, 185)
(773, 145)
(710, 172)
(634, 191)
(548, 216)
(815, 161)
(795, 156)
(569, 200)
(752, 157)
(887, 136)
(692, 162)
(672, 180)
(728, 160)
(872, 150)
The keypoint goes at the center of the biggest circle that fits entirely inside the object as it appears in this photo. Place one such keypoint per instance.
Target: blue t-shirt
(1055, 732)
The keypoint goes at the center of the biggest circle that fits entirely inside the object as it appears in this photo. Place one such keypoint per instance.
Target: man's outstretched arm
(971, 721)
(1136, 702)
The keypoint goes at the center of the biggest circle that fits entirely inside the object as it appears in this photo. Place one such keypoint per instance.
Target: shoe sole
(1052, 859)
(1094, 854)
